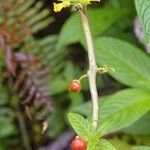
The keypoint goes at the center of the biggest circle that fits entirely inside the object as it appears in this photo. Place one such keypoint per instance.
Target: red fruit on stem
(78, 144)
(75, 86)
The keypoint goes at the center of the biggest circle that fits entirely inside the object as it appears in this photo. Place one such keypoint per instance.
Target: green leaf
(102, 129)
(105, 145)
(59, 85)
(99, 144)
(143, 11)
(131, 65)
(3, 96)
(92, 144)
(69, 71)
(140, 127)
(76, 99)
(124, 108)
(143, 85)
(6, 127)
(120, 109)
(80, 125)
(141, 148)
(100, 19)
(56, 124)
(120, 144)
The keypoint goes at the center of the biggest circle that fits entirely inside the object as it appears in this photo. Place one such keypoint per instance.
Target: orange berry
(78, 144)
(75, 86)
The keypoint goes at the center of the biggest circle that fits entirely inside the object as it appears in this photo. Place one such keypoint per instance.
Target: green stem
(82, 77)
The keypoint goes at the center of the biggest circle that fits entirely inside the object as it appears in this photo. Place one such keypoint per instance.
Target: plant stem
(24, 133)
(82, 77)
(92, 72)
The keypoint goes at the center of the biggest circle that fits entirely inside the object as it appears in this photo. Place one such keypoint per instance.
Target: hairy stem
(92, 64)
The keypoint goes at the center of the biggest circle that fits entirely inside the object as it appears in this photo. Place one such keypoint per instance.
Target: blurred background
(41, 52)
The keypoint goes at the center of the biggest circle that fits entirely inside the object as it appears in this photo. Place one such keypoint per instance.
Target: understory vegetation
(42, 52)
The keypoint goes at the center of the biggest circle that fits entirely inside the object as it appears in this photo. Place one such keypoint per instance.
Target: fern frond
(24, 17)
(29, 77)
(24, 60)
(45, 50)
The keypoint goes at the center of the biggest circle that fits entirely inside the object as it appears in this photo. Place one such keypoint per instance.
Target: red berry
(78, 144)
(75, 86)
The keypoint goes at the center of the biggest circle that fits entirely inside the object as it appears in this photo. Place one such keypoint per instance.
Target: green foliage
(3, 96)
(104, 144)
(44, 49)
(143, 11)
(100, 20)
(19, 20)
(84, 129)
(141, 148)
(99, 144)
(6, 120)
(120, 144)
(140, 127)
(35, 17)
(56, 122)
(118, 111)
(6, 125)
(123, 108)
(131, 64)
(81, 125)
(120, 4)
(92, 143)
(59, 81)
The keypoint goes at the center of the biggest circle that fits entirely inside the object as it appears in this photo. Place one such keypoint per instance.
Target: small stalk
(92, 72)
(23, 130)
(83, 77)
